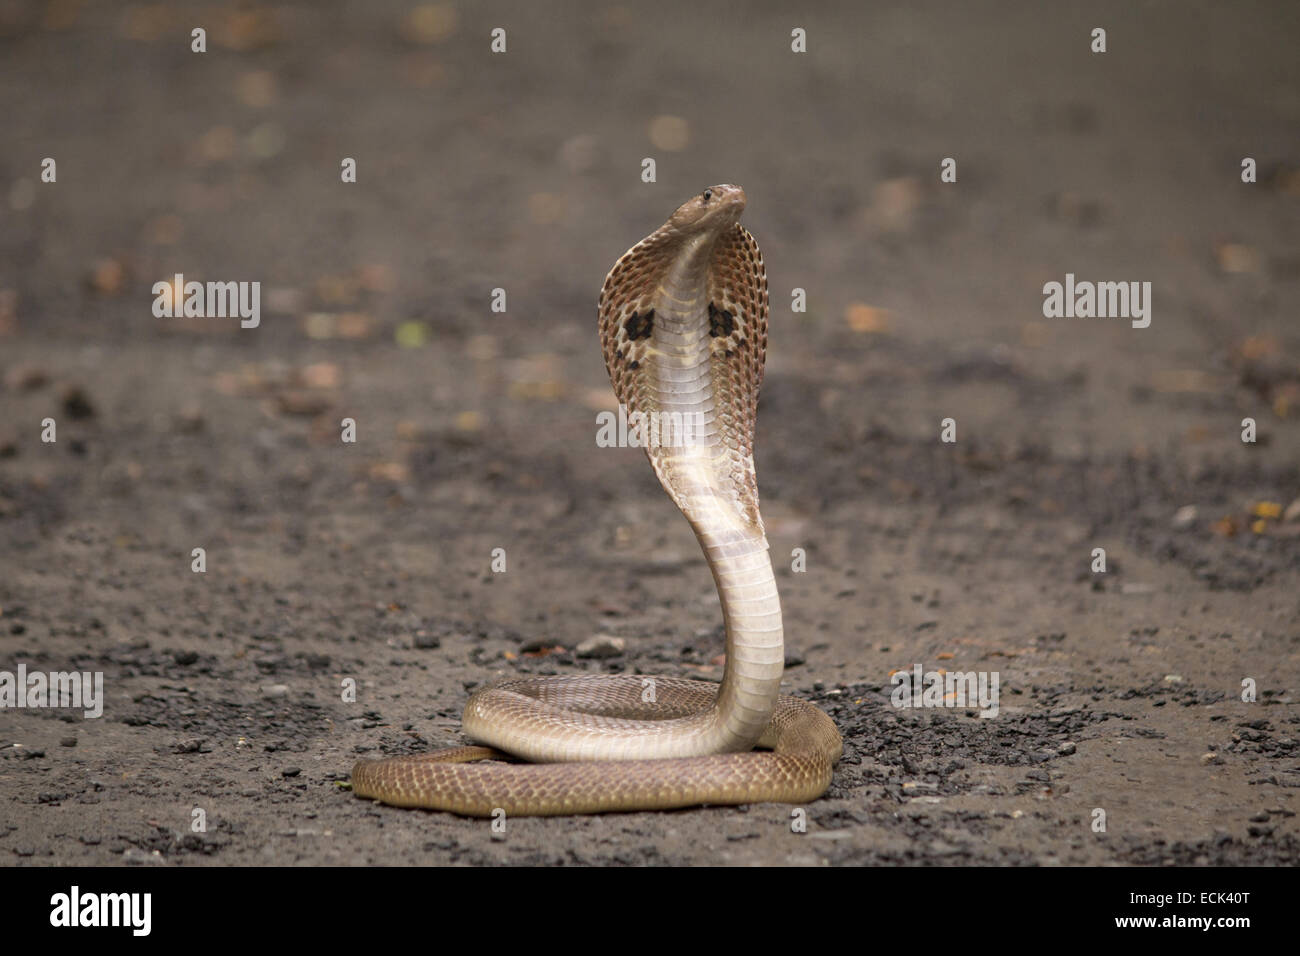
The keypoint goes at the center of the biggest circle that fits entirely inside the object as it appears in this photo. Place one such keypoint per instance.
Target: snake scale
(683, 327)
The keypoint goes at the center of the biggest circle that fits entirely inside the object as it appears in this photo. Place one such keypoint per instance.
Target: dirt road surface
(1122, 735)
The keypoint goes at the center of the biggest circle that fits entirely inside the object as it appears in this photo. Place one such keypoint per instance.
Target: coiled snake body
(683, 326)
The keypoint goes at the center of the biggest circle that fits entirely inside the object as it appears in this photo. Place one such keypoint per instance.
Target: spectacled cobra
(683, 327)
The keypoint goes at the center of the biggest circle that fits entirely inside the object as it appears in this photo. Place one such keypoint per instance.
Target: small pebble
(188, 420)
(300, 402)
(601, 646)
(1137, 588)
(136, 855)
(77, 403)
(26, 378)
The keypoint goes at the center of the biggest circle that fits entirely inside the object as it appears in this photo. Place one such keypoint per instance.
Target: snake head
(713, 210)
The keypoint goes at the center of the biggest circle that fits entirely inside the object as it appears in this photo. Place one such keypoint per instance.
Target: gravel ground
(329, 563)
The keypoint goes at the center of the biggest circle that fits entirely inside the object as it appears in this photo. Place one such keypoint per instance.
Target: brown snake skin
(683, 327)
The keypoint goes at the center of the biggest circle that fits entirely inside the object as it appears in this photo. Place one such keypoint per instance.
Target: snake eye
(708, 194)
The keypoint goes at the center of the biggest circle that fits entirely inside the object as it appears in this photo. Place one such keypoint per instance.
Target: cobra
(683, 328)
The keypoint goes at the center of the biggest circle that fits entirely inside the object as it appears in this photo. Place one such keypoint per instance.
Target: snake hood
(683, 325)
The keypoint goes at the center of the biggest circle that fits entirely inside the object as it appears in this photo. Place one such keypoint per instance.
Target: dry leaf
(864, 318)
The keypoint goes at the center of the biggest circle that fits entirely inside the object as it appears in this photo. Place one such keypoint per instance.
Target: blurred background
(522, 171)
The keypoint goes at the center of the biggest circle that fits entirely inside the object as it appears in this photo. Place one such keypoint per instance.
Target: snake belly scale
(683, 328)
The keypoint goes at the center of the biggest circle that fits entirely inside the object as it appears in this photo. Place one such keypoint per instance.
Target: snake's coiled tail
(804, 742)
(683, 326)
